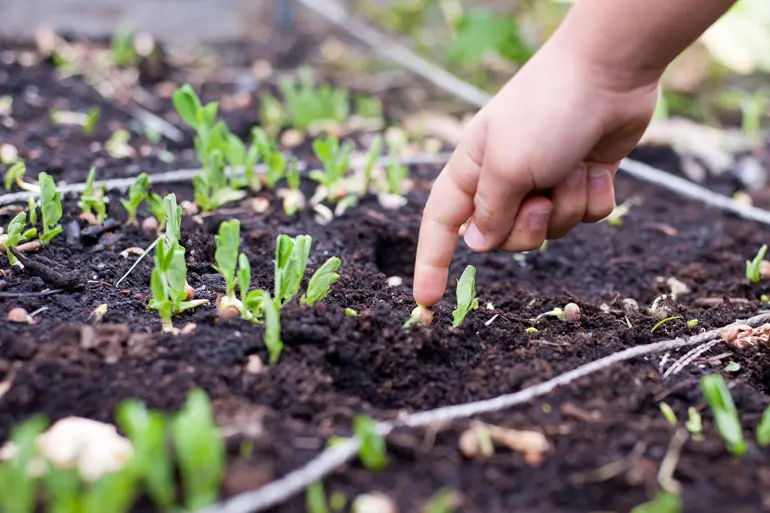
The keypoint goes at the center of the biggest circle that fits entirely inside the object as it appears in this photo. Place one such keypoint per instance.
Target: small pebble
(20, 316)
(572, 312)
(150, 224)
(374, 503)
(255, 364)
(630, 306)
(395, 281)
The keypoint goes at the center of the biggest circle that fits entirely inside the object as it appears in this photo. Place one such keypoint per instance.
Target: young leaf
(51, 208)
(315, 499)
(244, 275)
(91, 119)
(753, 273)
(32, 209)
(272, 328)
(665, 502)
(292, 175)
(187, 105)
(763, 430)
(371, 160)
(173, 215)
(395, 173)
(290, 264)
(147, 432)
(725, 414)
(157, 209)
(15, 174)
(17, 486)
(373, 451)
(136, 194)
(466, 296)
(15, 229)
(200, 449)
(321, 282)
(112, 492)
(226, 255)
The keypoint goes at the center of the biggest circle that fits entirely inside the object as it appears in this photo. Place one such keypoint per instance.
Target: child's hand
(534, 163)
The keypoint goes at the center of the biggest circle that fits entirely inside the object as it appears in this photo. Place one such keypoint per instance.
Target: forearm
(635, 40)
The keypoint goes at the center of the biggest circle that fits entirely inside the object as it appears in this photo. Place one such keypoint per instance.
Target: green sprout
(16, 235)
(373, 451)
(315, 499)
(157, 209)
(271, 155)
(169, 276)
(615, 218)
(443, 501)
(214, 146)
(372, 156)
(692, 323)
(293, 199)
(92, 117)
(531, 331)
(17, 487)
(200, 449)
(32, 209)
(321, 282)
(668, 412)
(664, 321)
(725, 414)
(15, 174)
(763, 430)
(272, 328)
(466, 296)
(50, 201)
(226, 256)
(664, 502)
(395, 174)
(753, 272)
(291, 257)
(92, 201)
(136, 194)
(122, 48)
(335, 158)
(349, 312)
(732, 367)
(694, 424)
(369, 107)
(310, 107)
(271, 114)
(152, 460)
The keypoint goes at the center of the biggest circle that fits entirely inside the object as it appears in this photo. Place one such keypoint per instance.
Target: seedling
(315, 499)
(50, 201)
(335, 158)
(16, 235)
(321, 282)
(15, 174)
(349, 312)
(531, 331)
(92, 201)
(694, 424)
(763, 430)
(136, 194)
(615, 218)
(169, 276)
(272, 328)
(753, 267)
(32, 209)
(152, 460)
(443, 501)
(725, 414)
(311, 108)
(214, 145)
(372, 157)
(122, 49)
(271, 114)
(664, 321)
(200, 449)
(370, 108)
(17, 487)
(293, 199)
(157, 209)
(395, 174)
(732, 367)
(466, 296)
(668, 412)
(271, 155)
(419, 315)
(94, 113)
(291, 257)
(226, 256)
(373, 451)
(692, 323)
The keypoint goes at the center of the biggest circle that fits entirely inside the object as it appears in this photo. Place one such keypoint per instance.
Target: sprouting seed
(694, 424)
(753, 272)
(668, 412)
(664, 321)
(724, 412)
(531, 331)
(350, 312)
(763, 430)
(732, 367)
(466, 296)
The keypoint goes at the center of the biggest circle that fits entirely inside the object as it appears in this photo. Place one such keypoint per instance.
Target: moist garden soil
(334, 366)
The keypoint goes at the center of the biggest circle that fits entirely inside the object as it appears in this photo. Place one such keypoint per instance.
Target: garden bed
(335, 366)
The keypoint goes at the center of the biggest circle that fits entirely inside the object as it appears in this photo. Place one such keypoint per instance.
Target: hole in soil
(395, 253)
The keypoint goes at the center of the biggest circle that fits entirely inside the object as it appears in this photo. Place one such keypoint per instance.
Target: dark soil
(335, 366)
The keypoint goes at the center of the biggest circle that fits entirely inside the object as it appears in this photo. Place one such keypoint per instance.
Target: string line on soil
(186, 175)
(331, 458)
(401, 55)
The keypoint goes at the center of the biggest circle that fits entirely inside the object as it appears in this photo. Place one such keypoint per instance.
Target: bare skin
(540, 158)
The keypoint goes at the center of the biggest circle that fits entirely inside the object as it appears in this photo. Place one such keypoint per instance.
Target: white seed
(150, 225)
(255, 365)
(374, 503)
(260, 205)
(475, 443)
(8, 154)
(189, 291)
(20, 316)
(572, 312)
(292, 138)
(189, 208)
(630, 306)
(764, 269)
(188, 328)
(677, 287)
(88, 217)
(425, 315)
(395, 281)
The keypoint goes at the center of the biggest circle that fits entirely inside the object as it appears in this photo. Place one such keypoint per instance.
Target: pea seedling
(315, 498)
(725, 414)
(668, 412)
(272, 337)
(372, 156)
(763, 430)
(271, 155)
(753, 267)
(200, 449)
(158, 211)
(373, 451)
(15, 174)
(293, 199)
(466, 296)
(664, 502)
(17, 487)
(271, 114)
(291, 257)
(236, 271)
(92, 201)
(136, 194)
(395, 174)
(310, 107)
(321, 282)
(16, 235)
(92, 117)
(50, 206)
(335, 158)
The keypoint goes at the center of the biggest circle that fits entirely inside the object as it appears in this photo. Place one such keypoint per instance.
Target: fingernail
(539, 220)
(575, 176)
(474, 238)
(597, 179)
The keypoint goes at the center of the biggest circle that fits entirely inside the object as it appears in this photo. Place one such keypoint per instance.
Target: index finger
(449, 206)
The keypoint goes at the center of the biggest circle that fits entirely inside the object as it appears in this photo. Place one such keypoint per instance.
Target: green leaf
(14, 174)
(136, 194)
(94, 113)
(200, 449)
(321, 282)
(112, 492)
(315, 499)
(466, 296)
(18, 488)
(292, 175)
(763, 431)
(665, 502)
(293, 270)
(15, 229)
(187, 105)
(50, 200)
(244, 275)
(276, 167)
(147, 432)
(372, 157)
(373, 451)
(272, 328)
(226, 256)
(62, 490)
(481, 31)
(173, 215)
(32, 209)
(724, 411)
(236, 150)
(157, 209)
(753, 273)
